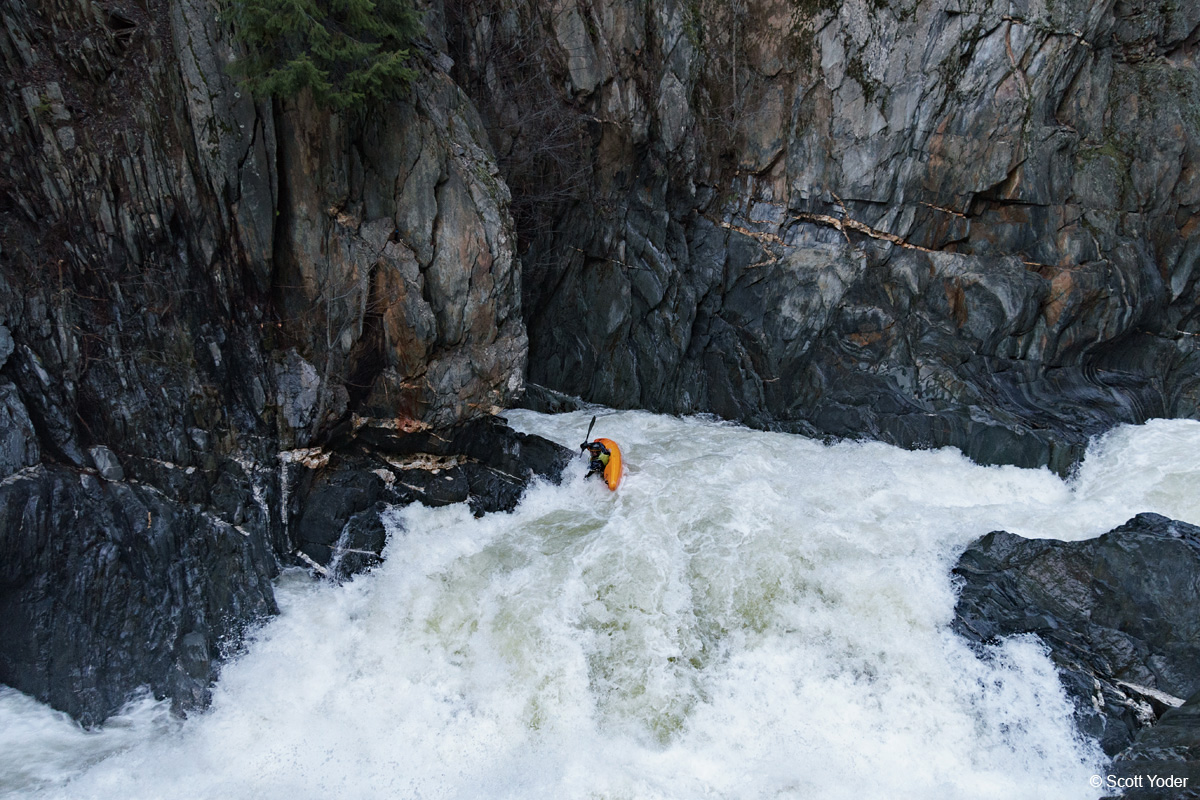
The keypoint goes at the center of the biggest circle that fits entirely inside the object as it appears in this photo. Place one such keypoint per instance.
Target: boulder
(1119, 613)
(107, 463)
(340, 499)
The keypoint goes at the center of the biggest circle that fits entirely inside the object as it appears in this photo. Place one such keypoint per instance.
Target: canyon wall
(960, 222)
(198, 292)
(232, 329)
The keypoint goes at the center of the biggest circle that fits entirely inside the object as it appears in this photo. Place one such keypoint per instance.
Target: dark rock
(18, 440)
(360, 547)
(46, 402)
(862, 222)
(6, 345)
(486, 440)
(1119, 614)
(482, 462)
(548, 401)
(333, 499)
(437, 482)
(200, 280)
(107, 463)
(1163, 763)
(298, 390)
(492, 489)
(106, 587)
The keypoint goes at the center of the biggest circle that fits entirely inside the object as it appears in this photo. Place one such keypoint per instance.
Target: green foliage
(693, 23)
(42, 109)
(348, 52)
(857, 70)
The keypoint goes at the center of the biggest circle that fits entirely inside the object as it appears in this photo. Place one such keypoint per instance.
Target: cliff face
(230, 329)
(967, 223)
(193, 285)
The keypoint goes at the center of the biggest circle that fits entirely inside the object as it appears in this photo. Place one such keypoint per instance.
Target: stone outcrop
(396, 239)
(480, 462)
(196, 286)
(965, 223)
(1119, 615)
(106, 587)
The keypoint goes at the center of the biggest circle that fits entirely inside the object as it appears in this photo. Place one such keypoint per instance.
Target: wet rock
(1163, 763)
(487, 441)
(548, 401)
(1119, 614)
(106, 587)
(328, 506)
(107, 463)
(482, 462)
(360, 546)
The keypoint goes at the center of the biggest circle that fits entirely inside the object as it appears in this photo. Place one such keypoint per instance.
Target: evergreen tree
(347, 52)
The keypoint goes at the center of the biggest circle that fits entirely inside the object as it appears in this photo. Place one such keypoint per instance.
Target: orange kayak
(612, 472)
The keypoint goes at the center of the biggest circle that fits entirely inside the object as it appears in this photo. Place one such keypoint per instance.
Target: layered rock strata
(481, 462)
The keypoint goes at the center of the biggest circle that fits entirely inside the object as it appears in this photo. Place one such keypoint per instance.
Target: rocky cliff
(230, 329)
(962, 222)
(207, 305)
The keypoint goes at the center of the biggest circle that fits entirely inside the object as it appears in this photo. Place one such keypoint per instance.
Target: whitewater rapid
(752, 615)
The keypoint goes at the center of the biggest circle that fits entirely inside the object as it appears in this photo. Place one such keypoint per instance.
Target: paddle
(587, 435)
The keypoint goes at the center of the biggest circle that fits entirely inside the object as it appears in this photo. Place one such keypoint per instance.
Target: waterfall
(750, 615)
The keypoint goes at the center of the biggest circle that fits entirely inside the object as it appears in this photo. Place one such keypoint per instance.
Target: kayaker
(600, 457)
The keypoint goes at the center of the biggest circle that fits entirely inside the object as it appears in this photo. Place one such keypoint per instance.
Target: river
(751, 615)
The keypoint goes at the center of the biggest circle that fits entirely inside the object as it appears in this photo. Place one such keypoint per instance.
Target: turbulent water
(751, 615)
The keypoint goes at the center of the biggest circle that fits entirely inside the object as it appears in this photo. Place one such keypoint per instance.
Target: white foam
(751, 615)
(41, 748)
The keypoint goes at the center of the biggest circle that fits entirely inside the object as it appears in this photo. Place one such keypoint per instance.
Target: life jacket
(599, 460)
